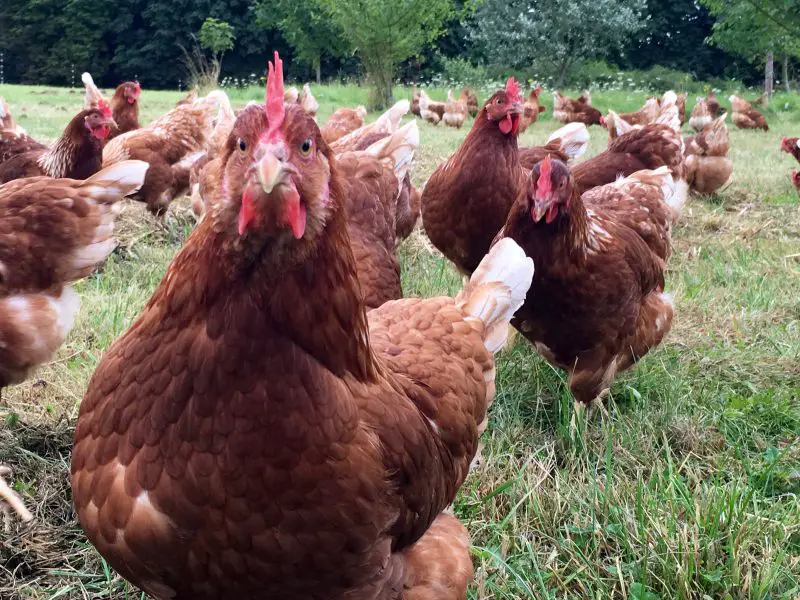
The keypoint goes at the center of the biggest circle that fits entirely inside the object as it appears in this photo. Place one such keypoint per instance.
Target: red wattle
(506, 124)
(247, 212)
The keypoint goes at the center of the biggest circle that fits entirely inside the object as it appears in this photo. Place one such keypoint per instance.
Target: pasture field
(688, 488)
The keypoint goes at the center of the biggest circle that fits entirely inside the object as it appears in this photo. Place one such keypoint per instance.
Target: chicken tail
(673, 190)
(496, 290)
(716, 136)
(617, 126)
(394, 115)
(399, 148)
(117, 181)
(93, 96)
(573, 139)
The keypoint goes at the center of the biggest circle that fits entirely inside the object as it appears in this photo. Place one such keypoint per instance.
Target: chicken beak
(111, 123)
(539, 209)
(269, 170)
(517, 108)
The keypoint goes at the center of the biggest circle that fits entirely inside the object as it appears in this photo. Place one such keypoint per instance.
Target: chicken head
(505, 107)
(550, 189)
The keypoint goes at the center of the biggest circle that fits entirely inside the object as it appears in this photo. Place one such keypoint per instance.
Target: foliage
(306, 26)
(384, 34)
(217, 36)
(552, 36)
(463, 71)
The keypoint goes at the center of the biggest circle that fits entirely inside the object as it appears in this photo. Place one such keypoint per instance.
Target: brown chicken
(342, 122)
(647, 114)
(308, 102)
(171, 145)
(708, 167)
(792, 146)
(76, 154)
(714, 108)
(415, 94)
(597, 302)
(641, 148)
(531, 110)
(664, 111)
(567, 110)
(455, 110)
(567, 143)
(701, 115)
(429, 110)
(745, 116)
(7, 121)
(372, 186)
(795, 177)
(472, 101)
(681, 103)
(255, 434)
(370, 133)
(466, 200)
(125, 107)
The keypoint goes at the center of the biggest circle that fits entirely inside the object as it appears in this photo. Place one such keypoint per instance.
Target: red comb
(512, 89)
(274, 100)
(104, 108)
(545, 184)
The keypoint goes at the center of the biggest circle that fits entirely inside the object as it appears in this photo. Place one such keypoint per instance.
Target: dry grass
(687, 489)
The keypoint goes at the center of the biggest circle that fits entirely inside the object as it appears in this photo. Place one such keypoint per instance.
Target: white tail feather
(496, 290)
(574, 139)
(400, 147)
(117, 181)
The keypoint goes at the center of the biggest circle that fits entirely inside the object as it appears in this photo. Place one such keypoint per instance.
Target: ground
(687, 489)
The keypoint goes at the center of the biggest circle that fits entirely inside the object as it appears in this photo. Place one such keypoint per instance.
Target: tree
(384, 34)
(217, 36)
(306, 26)
(755, 29)
(554, 35)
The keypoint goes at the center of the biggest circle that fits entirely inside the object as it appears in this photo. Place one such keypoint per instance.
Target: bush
(462, 71)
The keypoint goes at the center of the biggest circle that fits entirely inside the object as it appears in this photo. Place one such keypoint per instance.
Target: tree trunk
(381, 73)
(785, 73)
(768, 76)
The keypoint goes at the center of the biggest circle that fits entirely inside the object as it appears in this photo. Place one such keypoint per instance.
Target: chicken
(663, 111)
(472, 101)
(415, 94)
(383, 126)
(257, 434)
(597, 302)
(708, 167)
(342, 122)
(171, 145)
(567, 110)
(455, 110)
(466, 200)
(641, 148)
(7, 121)
(76, 154)
(701, 115)
(307, 101)
(125, 107)
(531, 110)
(643, 116)
(190, 97)
(795, 177)
(291, 96)
(681, 103)
(791, 146)
(372, 182)
(714, 108)
(430, 111)
(569, 142)
(745, 116)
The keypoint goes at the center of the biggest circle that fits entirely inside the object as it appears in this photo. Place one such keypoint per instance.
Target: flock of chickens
(225, 447)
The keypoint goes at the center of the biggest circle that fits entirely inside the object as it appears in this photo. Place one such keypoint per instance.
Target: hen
(681, 103)
(307, 101)
(745, 116)
(342, 122)
(792, 146)
(531, 109)
(701, 115)
(472, 101)
(370, 133)
(597, 302)
(227, 449)
(415, 94)
(429, 110)
(76, 154)
(708, 167)
(7, 121)
(466, 200)
(372, 186)
(171, 145)
(455, 110)
(647, 114)
(124, 103)
(567, 110)
(714, 108)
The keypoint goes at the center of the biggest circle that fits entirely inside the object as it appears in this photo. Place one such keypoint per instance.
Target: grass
(687, 489)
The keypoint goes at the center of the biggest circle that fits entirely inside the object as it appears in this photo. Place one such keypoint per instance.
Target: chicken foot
(10, 500)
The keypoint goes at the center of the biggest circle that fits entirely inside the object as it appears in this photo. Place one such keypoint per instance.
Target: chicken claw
(10, 500)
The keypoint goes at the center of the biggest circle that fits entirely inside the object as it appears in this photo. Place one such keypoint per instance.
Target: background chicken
(713, 104)
(647, 114)
(745, 116)
(307, 101)
(597, 302)
(125, 107)
(372, 183)
(170, 145)
(466, 200)
(373, 421)
(708, 167)
(76, 154)
(431, 111)
(7, 121)
(531, 109)
(342, 122)
(472, 101)
(792, 146)
(681, 103)
(701, 115)
(370, 133)
(567, 110)
(455, 110)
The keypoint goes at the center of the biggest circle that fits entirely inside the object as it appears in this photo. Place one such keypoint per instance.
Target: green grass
(687, 489)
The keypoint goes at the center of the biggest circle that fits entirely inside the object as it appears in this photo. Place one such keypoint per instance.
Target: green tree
(384, 34)
(217, 36)
(553, 36)
(306, 26)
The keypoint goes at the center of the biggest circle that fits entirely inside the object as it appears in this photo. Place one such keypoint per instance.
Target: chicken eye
(306, 146)
(499, 101)
(241, 144)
